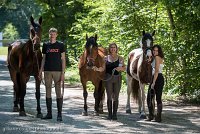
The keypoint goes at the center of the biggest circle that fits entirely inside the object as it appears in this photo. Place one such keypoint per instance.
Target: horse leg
(129, 86)
(37, 96)
(85, 95)
(142, 102)
(22, 94)
(16, 99)
(13, 76)
(102, 96)
(97, 101)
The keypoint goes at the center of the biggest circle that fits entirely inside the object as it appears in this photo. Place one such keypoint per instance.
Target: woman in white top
(156, 87)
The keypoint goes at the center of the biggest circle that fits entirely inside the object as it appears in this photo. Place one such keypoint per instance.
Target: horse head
(91, 48)
(36, 33)
(147, 44)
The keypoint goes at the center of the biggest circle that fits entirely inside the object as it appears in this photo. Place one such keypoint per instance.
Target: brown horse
(24, 60)
(92, 57)
(139, 72)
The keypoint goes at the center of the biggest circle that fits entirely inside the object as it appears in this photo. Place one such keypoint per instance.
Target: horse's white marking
(136, 52)
(149, 53)
(148, 42)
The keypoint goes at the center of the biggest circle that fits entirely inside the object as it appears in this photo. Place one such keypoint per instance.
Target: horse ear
(31, 20)
(40, 20)
(95, 37)
(86, 37)
(143, 32)
(153, 33)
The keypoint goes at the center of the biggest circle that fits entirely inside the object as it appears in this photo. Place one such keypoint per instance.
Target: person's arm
(42, 66)
(122, 66)
(157, 64)
(63, 66)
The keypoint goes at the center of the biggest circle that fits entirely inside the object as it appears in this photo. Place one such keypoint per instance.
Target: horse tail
(8, 55)
(128, 67)
(135, 89)
(18, 84)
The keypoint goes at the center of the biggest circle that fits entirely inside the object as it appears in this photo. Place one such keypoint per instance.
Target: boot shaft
(109, 105)
(49, 105)
(59, 107)
(115, 107)
(49, 109)
(159, 112)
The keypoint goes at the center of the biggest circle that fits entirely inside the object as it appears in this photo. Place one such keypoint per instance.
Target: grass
(3, 50)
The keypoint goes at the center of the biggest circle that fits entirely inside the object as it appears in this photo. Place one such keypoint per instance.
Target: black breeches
(157, 91)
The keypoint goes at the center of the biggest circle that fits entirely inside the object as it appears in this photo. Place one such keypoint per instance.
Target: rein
(113, 71)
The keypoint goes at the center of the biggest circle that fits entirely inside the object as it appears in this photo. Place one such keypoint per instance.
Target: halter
(33, 40)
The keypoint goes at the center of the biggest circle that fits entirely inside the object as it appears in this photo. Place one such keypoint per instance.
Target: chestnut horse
(139, 72)
(24, 60)
(93, 56)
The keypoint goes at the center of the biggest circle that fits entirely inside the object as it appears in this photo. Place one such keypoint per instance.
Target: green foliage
(10, 32)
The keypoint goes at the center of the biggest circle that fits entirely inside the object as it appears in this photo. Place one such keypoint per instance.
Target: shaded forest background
(177, 25)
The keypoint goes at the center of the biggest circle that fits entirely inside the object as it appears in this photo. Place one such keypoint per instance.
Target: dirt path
(176, 118)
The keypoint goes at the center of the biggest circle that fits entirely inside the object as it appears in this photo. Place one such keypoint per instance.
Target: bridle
(90, 58)
(147, 54)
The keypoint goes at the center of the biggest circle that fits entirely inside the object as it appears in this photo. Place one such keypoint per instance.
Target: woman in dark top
(114, 66)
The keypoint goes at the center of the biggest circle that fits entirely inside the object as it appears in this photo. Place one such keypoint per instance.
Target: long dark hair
(160, 52)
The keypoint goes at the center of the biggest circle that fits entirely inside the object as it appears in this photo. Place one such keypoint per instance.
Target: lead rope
(113, 71)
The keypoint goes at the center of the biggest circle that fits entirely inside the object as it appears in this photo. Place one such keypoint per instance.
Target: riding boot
(159, 112)
(151, 114)
(115, 107)
(59, 107)
(49, 108)
(151, 105)
(109, 105)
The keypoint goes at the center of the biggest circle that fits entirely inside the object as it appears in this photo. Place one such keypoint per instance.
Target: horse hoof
(96, 113)
(101, 111)
(40, 115)
(128, 111)
(84, 113)
(142, 116)
(15, 109)
(22, 113)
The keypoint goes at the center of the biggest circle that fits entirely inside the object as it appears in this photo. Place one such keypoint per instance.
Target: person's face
(53, 35)
(113, 49)
(155, 51)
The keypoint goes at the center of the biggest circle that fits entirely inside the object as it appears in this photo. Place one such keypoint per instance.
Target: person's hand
(152, 85)
(62, 78)
(94, 68)
(40, 75)
(100, 69)
(118, 68)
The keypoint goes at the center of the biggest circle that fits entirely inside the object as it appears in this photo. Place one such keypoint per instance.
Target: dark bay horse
(24, 60)
(93, 56)
(139, 72)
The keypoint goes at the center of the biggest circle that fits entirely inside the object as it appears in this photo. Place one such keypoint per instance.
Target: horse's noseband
(90, 61)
